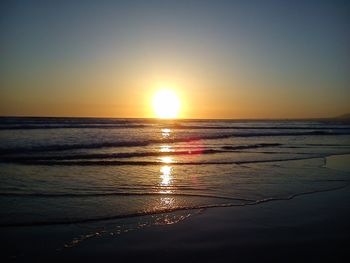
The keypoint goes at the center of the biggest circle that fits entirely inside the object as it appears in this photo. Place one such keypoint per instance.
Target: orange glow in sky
(150, 59)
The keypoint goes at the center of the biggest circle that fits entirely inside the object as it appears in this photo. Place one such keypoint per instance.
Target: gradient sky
(225, 59)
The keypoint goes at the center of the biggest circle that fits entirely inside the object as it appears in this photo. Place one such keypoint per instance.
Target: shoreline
(332, 161)
(307, 228)
(313, 227)
(340, 162)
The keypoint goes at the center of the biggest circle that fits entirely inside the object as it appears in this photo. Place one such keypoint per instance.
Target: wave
(84, 195)
(70, 126)
(109, 155)
(129, 124)
(209, 127)
(253, 146)
(65, 147)
(66, 120)
(97, 145)
(162, 211)
(15, 123)
(147, 163)
(190, 151)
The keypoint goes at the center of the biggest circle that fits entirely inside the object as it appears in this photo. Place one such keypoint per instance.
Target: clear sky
(224, 59)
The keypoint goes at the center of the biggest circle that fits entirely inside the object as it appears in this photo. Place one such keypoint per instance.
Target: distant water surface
(80, 170)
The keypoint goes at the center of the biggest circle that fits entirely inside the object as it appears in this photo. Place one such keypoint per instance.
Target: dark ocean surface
(90, 170)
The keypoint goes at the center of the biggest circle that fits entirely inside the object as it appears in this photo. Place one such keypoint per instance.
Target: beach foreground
(92, 189)
(309, 228)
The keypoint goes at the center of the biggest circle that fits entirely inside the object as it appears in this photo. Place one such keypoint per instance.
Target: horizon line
(174, 119)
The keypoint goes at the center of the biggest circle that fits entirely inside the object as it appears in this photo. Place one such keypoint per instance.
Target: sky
(224, 59)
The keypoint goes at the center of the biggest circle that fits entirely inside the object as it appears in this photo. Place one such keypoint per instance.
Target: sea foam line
(167, 210)
(84, 195)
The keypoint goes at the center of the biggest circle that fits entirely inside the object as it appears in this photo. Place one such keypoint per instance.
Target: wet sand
(307, 228)
(339, 162)
(313, 228)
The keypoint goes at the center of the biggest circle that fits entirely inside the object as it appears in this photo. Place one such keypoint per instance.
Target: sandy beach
(308, 228)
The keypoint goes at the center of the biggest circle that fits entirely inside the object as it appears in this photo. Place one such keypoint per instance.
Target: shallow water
(80, 170)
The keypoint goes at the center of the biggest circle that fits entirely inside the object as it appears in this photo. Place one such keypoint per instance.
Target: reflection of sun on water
(165, 170)
(165, 149)
(166, 202)
(166, 159)
(166, 133)
(165, 175)
(166, 179)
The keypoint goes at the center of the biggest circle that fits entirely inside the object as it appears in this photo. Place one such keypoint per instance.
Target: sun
(166, 104)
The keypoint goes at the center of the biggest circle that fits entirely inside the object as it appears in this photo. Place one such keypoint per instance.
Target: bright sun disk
(166, 104)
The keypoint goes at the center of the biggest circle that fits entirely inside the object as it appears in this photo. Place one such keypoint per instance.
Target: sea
(119, 175)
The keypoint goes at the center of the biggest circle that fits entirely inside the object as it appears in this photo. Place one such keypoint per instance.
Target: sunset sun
(166, 104)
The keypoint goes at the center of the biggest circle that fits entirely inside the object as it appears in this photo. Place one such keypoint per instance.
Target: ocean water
(56, 171)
